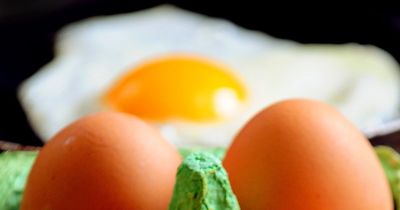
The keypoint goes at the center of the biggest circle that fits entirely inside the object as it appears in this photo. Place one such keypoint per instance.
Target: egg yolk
(178, 87)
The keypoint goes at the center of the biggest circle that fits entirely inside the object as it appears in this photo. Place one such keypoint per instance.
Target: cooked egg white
(93, 56)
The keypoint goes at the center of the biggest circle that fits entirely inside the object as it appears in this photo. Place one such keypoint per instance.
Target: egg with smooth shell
(103, 161)
(304, 155)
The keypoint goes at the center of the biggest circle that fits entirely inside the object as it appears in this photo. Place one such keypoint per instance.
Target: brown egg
(103, 161)
(304, 155)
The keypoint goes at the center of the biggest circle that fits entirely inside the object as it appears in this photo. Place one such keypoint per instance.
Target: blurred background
(28, 29)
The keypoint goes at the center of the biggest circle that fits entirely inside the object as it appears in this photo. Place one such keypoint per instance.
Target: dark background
(28, 27)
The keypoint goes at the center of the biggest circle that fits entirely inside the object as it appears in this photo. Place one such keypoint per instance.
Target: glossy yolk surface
(178, 87)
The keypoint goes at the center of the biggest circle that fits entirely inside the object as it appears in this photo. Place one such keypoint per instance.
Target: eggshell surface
(304, 155)
(103, 161)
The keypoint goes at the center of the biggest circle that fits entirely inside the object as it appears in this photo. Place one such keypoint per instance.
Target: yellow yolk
(178, 87)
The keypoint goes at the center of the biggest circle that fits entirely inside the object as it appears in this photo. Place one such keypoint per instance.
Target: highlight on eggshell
(103, 161)
(304, 155)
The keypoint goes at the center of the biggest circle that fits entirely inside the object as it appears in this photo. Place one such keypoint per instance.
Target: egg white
(361, 81)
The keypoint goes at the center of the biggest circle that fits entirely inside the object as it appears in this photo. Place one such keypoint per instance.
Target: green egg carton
(200, 177)
(390, 161)
(14, 170)
(202, 182)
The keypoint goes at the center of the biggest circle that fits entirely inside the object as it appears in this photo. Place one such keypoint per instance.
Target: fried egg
(199, 79)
